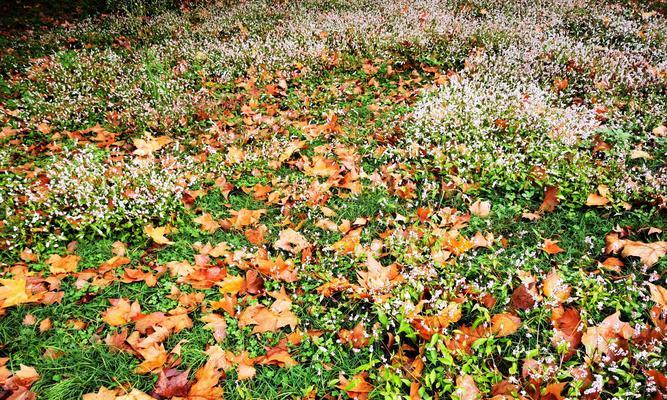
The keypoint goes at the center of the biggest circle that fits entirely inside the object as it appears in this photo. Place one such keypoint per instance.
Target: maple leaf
(551, 247)
(597, 339)
(357, 388)
(244, 217)
(658, 294)
(505, 324)
(13, 292)
(157, 234)
(270, 320)
(466, 388)
(550, 199)
(481, 208)
(377, 278)
(429, 325)
(155, 356)
(321, 166)
(208, 224)
(595, 200)
(245, 370)
(102, 394)
(348, 244)
(135, 394)
(357, 337)
(232, 284)
(27, 255)
(121, 312)
(171, 383)
(648, 253)
(217, 324)
(554, 287)
(292, 241)
(59, 265)
(151, 145)
(568, 328)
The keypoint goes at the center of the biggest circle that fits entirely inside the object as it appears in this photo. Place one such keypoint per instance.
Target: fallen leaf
(595, 199)
(157, 234)
(217, 324)
(658, 294)
(481, 208)
(172, 383)
(13, 292)
(505, 324)
(208, 223)
(648, 253)
(466, 388)
(60, 265)
(551, 247)
(292, 241)
(550, 199)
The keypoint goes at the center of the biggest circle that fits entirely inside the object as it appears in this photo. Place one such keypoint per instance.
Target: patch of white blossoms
(91, 189)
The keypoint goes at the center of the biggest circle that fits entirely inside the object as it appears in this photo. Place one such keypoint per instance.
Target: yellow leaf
(60, 265)
(208, 224)
(13, 292)
(157, 234)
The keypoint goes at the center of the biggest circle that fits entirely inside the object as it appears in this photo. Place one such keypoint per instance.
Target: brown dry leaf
(357, 337)
(146, 147)
(505, 324)
(554, 287)
(551, 246)
(348, 244)
(270, 320)
(245, 217)
(597, 339)
(63, 265)
(481, 209)
(292, 241)
(155, 356)
(466, 388)
(429, 325)
(119, 248)
(135, 394)
(568, 328)
(612, 264)
(321, 166)
(550, 199)
(595, 199)
(376, 278)
(28, 255)
(102, 394)
(121, 312)
(245, 370)
(208, 223)
(658, 294)
(172, 383)
(157, 234)
(648, 253)
(357, 387)
(217, 324)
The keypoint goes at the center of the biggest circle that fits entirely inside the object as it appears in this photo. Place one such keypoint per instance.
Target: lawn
(416, 199)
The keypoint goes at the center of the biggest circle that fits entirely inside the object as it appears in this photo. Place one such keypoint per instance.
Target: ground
(411, 199)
